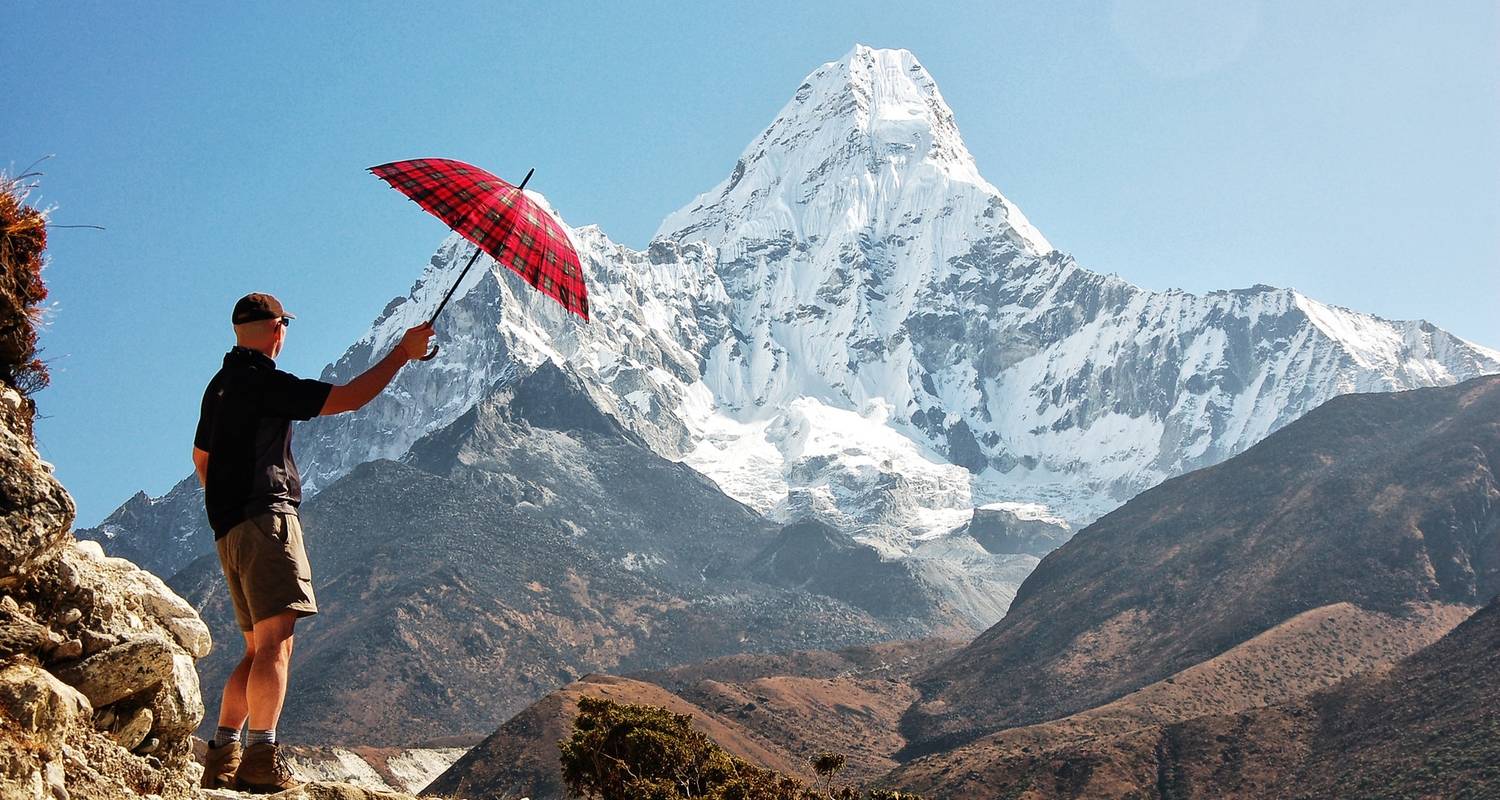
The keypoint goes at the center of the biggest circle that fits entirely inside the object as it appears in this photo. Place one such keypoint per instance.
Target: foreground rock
(381, 769)
(98, 693)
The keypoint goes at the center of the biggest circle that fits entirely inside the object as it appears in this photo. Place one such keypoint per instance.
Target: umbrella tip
(526, 179)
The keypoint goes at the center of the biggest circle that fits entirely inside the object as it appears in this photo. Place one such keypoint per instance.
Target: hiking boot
(219, 765)
(263, 770)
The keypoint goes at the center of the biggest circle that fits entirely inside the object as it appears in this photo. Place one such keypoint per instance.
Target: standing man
(243, 455)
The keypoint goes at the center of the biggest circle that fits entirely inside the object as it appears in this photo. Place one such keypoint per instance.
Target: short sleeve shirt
(246, 427)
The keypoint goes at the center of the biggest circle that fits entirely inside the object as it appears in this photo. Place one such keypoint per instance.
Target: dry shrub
(23, 239)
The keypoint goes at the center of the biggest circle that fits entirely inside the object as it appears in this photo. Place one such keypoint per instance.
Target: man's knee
(272, 636)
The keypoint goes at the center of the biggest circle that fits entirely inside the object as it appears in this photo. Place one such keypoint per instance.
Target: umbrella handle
(430, 356)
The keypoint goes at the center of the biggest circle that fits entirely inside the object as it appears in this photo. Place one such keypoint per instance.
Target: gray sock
(260, 737)
(225, 736)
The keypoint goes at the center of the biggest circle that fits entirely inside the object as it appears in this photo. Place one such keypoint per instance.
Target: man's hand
(414, 341)
(363, 389)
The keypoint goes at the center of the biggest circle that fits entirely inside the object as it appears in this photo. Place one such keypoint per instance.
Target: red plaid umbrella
(499, 219)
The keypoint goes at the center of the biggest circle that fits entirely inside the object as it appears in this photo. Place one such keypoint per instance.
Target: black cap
(258, 306)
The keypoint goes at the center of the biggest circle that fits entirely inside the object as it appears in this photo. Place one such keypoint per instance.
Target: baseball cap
(258, 306)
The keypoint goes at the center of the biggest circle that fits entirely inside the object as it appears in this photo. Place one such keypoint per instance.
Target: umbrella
(499, 219)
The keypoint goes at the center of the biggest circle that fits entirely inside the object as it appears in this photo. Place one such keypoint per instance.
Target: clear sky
(1349, 149)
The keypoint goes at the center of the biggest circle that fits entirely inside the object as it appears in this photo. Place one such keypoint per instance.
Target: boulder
(19, 633)
(178, 704)
(42, 706)
(35, 510)
(128, 668)
(156, 600)
(114, 585)
(132, 731)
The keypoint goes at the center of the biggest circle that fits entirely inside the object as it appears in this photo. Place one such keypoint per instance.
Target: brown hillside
(1378, 500)
(1111, 751)
(1425, 728)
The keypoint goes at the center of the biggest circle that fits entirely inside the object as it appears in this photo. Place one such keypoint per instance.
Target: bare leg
(235, 706)
(266, 687)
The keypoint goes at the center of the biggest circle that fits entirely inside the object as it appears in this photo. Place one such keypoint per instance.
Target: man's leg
(235, 706)
(266, 684)
(222, 761)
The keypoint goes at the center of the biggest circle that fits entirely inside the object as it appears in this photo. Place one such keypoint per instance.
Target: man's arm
(363, 389)
(200, 465)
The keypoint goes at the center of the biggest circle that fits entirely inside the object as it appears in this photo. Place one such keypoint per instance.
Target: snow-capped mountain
(855, 326)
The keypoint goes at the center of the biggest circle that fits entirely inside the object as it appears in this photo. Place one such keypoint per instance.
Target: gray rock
(132, 731)
(178, 704)
(19, 634)
(55, 778)
(96, 641)
(37, 510)
(66, 650)
(123, 670)
(40, 705)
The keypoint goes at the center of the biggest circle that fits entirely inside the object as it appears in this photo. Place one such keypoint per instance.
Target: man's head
(260, 323)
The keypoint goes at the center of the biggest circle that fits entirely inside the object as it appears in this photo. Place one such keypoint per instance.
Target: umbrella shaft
(454, 287)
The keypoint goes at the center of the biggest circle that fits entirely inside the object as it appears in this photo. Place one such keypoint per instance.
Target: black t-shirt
(246, 427)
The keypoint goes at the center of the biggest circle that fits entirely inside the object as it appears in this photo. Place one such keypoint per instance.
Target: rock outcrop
(98, 693)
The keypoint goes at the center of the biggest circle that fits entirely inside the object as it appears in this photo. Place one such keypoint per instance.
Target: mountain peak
(864, 139)
(892, 99)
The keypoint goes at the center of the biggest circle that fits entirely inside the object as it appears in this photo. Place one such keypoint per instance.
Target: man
(243, 456)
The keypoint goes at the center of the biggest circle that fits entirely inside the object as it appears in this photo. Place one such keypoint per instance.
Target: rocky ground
(98, 693)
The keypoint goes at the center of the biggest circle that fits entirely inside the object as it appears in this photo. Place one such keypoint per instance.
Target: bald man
(242, 452)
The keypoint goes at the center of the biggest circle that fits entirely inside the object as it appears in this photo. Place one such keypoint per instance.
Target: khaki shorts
(266, 568)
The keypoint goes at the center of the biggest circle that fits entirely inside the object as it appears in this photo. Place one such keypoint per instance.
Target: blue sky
(1348, 149)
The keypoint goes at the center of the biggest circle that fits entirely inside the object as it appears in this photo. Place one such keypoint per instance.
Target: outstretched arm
(363, 389)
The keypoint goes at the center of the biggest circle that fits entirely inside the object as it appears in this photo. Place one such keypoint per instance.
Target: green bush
(631, 752)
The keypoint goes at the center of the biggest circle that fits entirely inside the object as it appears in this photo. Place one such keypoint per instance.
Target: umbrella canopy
(499, 219)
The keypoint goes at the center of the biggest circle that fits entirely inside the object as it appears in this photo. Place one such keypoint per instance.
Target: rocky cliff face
(98, 692)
